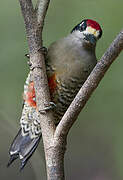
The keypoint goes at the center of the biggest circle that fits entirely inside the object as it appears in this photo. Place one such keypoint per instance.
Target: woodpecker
(69, 61)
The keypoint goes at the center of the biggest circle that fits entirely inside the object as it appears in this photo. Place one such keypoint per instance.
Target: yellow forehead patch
(93, 31)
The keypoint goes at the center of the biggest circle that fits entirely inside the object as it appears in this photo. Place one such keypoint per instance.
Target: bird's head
(89, 30)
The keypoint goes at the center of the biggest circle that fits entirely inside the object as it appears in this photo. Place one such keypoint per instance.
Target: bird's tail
(23, 147)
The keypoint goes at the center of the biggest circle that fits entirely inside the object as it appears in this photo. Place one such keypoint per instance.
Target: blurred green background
(95, 143)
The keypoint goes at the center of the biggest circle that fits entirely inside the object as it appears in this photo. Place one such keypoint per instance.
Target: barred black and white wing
(29, 135)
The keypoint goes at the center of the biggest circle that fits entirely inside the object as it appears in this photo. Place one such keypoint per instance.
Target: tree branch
(27, 11)
(41, 8)
(34, 20)
(30, 24)
(89, 86)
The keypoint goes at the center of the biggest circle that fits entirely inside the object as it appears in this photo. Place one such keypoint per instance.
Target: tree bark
(55, 161)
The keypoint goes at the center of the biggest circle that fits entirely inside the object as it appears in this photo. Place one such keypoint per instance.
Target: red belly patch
(52, 83)
(30, 95)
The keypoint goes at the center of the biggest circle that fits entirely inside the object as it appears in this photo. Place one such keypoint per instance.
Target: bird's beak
(90, 38)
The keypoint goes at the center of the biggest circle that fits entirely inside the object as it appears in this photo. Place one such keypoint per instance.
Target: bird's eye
(83, 26)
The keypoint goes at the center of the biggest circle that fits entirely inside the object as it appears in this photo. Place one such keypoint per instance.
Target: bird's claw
(27, 55)
(44, 50)
(28, 62)
(48, 107)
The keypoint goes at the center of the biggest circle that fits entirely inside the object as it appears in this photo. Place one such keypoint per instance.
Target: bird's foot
(48, 107)
(28, 62)
(27, 55)
(44, 50)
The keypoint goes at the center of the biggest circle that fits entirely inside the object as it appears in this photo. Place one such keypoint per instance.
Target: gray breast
(72, 65)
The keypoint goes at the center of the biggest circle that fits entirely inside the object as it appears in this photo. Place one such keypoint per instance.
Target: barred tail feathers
(23, 147)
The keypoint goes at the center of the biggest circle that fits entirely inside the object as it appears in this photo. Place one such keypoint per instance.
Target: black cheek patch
(100, 34)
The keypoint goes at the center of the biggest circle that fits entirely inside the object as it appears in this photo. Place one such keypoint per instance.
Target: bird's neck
(77, 38)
